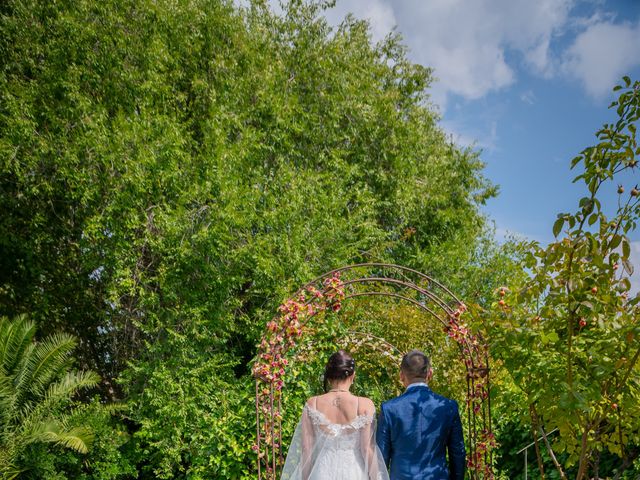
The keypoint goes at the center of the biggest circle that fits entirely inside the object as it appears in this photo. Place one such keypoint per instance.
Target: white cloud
(379, 13)
(528, 97)
(539, 58)
(479, 46)
(601, 54)
(467, 42)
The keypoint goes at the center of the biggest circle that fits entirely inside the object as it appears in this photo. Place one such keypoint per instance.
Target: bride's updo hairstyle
(340, 366)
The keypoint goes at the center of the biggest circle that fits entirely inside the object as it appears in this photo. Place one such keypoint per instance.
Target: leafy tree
(569, 335)
(36, 387)
(213, 158)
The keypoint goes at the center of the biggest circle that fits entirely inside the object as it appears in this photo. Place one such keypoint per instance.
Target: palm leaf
(15, 336)
(9, 472)
(6, 400)
(79, 439)
(52, 431)
(43, 362)
(35, 389)
(68, 385)
(31, 414)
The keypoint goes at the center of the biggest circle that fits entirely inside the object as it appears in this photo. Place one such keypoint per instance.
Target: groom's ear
(429, 374)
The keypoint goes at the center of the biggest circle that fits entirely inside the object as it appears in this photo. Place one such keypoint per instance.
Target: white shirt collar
(417, 384)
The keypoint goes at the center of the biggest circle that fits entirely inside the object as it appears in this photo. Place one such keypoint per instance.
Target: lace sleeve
(307, 443)
(300, 455)
(374, 464)
(314, 416)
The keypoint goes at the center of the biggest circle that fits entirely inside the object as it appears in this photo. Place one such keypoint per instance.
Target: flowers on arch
(283, 333)
(475, 355)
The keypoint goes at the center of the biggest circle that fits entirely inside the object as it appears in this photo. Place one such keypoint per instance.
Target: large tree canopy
(169, 162)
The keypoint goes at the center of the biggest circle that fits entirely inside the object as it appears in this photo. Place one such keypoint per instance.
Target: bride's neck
(340, 386)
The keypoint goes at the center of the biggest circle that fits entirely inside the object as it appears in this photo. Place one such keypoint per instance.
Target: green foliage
(36, 388)
(213, 159)
(196, 420)
(109, 456)
(569, 335)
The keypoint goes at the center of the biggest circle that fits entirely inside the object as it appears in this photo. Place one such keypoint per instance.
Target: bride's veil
(310, 452)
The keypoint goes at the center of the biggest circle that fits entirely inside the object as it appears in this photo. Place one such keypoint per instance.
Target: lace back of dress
(323, 425)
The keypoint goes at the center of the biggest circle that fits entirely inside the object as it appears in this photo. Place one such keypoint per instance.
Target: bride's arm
(368, 443)
(307, 444)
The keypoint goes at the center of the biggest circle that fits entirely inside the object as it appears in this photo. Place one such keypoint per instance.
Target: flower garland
(283, 333)
(474, 351)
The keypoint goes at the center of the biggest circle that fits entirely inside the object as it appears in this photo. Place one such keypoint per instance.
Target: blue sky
(527, 82)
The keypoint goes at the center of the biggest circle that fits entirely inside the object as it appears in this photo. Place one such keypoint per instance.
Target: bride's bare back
(342, 408)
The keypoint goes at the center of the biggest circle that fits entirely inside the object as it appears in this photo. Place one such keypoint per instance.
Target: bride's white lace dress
(321, 450)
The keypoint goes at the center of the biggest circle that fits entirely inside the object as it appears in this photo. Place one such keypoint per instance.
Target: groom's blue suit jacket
(416, 430)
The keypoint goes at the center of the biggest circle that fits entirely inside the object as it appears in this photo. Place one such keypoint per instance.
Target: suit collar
(416, 387)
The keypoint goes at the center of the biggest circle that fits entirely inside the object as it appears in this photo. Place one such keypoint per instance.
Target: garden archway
(327, 293)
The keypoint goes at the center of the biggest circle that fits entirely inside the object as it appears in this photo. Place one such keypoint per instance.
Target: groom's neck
(414, 381)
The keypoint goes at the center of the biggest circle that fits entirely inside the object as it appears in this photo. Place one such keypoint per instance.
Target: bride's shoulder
(366, 406)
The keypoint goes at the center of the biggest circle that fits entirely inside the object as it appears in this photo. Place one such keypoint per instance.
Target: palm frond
(6, 400)
(43, 362)
(76, 438)
(68, 385)
(79, 439)
(31, 413)
(15, 336)
(9, 472)
(36, 389)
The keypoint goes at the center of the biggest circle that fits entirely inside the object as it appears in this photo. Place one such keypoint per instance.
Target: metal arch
(380, 265)
(394, 295)
(472, 350)
(401, 297)
(401, 283)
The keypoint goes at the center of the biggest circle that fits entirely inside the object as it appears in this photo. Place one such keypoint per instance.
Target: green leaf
(615, 241)
(587, 304)
(557, 226)
(626, 249)
(575, 161)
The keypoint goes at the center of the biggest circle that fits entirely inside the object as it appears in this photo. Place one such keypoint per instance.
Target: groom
(418, 427)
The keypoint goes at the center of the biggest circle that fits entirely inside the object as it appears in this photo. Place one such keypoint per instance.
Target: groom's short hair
(415, 364)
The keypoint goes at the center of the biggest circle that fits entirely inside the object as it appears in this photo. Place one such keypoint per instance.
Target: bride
(335, 438)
